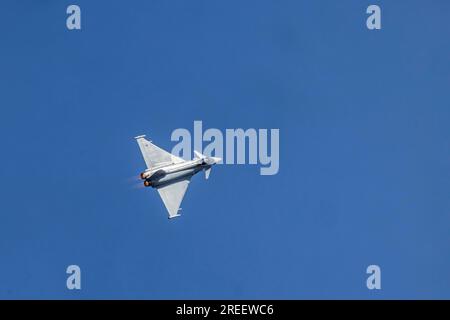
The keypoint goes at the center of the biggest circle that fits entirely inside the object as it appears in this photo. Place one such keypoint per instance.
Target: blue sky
(364, 149)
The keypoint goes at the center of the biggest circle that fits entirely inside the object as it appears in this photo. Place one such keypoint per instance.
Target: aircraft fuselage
(172, 172)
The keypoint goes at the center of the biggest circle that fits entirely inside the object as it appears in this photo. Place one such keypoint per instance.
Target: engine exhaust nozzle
(147, 183)
(144, 175)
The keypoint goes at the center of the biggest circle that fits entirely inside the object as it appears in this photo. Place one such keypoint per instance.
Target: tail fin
(198, 155)
(207, 172)
(208, 161)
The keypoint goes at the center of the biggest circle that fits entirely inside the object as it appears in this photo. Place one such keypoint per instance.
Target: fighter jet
(170, 175)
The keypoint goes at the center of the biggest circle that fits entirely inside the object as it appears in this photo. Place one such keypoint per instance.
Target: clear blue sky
(364, 120)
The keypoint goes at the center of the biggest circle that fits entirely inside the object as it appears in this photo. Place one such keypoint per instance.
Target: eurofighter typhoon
(170, 175)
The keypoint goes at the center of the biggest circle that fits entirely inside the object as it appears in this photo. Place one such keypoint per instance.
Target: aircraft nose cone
(217, 159)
